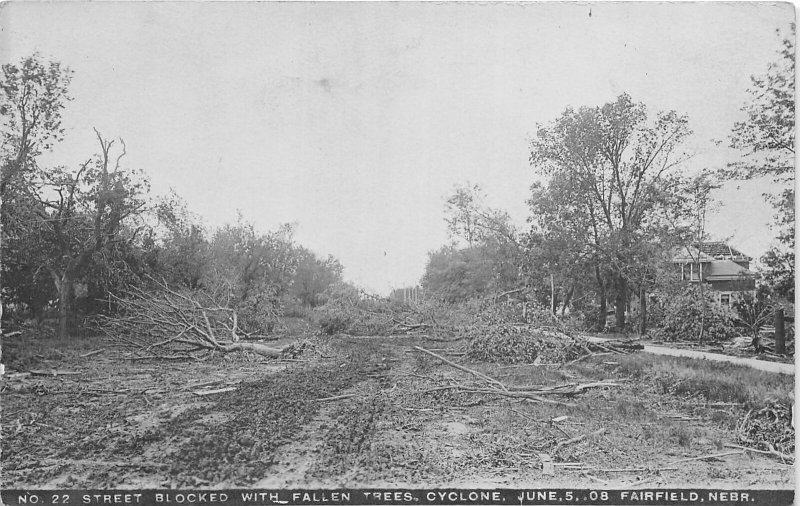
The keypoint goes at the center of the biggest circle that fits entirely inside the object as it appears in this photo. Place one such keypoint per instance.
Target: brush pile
(769, 429)
(512, 344)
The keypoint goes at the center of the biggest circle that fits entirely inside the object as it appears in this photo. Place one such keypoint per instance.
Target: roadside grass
(687, 377)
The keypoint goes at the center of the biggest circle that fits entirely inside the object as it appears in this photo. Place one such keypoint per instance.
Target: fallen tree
(164, 323)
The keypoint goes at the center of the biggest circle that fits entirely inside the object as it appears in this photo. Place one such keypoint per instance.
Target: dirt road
(762, 365)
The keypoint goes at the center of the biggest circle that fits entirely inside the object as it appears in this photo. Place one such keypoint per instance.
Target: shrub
(680, 317)
(334, 324)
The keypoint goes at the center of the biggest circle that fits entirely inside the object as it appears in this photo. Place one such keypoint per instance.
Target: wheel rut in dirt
(259, 418)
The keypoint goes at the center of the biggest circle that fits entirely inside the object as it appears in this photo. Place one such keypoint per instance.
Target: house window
(725, 299)
(694, 272)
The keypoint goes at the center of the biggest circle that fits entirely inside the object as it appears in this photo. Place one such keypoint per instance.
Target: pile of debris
(375, 316)
(769, 430)
(511, 344)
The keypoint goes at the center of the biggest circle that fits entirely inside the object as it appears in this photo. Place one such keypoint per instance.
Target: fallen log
(257, 348)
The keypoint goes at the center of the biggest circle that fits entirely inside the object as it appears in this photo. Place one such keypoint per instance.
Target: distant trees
(177, 248)
(609, 191)
(489, 258)
(766, 141)
(457, 275)
(314, 277)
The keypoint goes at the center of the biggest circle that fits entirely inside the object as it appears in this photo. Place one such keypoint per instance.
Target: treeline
(74, 236)
(612, 205)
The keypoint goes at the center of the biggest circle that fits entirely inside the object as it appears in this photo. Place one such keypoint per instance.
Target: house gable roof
(710, 251)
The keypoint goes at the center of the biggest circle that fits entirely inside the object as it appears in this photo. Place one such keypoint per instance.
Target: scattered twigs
(595, 478)
(202, 384)
(53, 372)
(202, 393)
(704, 457)
(773, 452)
(334, 398)
(634, 469)
(91, 353)
(584, 357)
(462, 368)
(608, 349)
(574, 440)
(572, 389)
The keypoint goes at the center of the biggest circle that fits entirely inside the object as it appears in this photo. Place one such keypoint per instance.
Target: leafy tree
(181, 254)
(766, 140)
(469, 218)
(252, 271)
(609, 178)
(560, 258)
(490, 262)
(34, 93)
(68, 225)
(313, 277)
(79, 226)
(457, 275)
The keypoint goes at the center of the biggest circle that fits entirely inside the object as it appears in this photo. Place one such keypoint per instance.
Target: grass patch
(714, 381)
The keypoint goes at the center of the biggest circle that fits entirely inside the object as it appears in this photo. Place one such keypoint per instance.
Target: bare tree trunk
(601, 314)
(620, 302)
(64, 288)
(703, 306)
(567, 299)
(643, 310)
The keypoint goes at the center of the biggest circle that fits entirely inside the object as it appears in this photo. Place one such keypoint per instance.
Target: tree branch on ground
(164, 323)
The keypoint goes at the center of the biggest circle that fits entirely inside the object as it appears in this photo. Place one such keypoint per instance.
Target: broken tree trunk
(257, 348)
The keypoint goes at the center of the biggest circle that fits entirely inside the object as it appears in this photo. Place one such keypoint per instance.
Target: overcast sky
(357, 119)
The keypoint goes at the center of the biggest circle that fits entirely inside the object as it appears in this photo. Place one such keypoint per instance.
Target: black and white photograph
(393, 253)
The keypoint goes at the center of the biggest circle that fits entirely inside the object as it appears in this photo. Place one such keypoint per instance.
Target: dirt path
(762, 365)
(363, 413)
